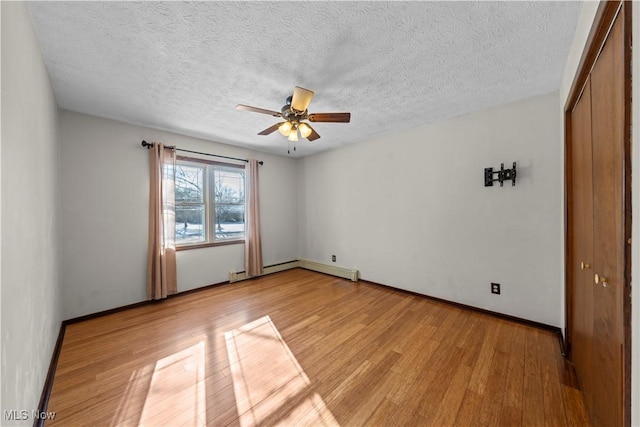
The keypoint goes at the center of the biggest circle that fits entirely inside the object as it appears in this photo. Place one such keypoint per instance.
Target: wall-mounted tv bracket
(503, 175)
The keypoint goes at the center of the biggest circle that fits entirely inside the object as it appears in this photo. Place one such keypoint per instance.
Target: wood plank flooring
(303, 348)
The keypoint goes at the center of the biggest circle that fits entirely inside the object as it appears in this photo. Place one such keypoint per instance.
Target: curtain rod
(149, 145)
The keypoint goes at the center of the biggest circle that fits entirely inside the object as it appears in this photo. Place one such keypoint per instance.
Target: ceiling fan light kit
(305, 130)
(295, 112)
(293, 134)
(285, 128)
(301, 99)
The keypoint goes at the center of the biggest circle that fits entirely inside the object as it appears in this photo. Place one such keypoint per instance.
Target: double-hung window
(210, 203)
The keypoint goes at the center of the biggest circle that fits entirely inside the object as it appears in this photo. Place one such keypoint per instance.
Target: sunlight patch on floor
(128, 410)
(176, 394)
(269, 384)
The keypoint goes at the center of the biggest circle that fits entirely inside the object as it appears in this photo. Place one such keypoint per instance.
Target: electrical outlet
(495, 288)
(333, 258)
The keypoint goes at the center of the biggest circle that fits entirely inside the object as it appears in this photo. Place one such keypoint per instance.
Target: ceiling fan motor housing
(290, 114)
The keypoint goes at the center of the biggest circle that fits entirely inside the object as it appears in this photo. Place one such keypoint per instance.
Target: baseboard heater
(333, 270)
(236, 276)
(346, 273)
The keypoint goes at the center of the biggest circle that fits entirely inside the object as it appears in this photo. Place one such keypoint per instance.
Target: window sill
(209, 245)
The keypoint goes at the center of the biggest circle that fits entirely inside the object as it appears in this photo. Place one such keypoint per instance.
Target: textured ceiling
(184, 66)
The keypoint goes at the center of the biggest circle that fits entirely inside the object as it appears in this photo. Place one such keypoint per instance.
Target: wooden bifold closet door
(597, 234)
(581, 223)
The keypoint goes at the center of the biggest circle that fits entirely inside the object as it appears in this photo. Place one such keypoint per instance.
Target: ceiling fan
(295, 114)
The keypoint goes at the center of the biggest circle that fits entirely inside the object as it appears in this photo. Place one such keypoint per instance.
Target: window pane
(229, 186)
(229, 203)
(229, 221)
(189, 184)
(190, 222)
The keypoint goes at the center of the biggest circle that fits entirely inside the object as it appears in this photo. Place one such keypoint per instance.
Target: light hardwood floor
(300, 347)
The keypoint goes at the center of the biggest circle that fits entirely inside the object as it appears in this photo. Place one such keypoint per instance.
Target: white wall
(583, 27)
(31, 304)
(105, 184)
(410, 210)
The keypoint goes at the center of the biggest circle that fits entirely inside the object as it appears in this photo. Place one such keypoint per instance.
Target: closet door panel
(607, 92)
(581, 223)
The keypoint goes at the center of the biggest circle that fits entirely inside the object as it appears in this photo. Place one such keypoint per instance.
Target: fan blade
(271, 129)
(313, 135)
(330, 117)
(258, 110)
(301, 98)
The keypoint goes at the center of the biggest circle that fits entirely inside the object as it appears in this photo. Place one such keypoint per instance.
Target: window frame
(209, 202)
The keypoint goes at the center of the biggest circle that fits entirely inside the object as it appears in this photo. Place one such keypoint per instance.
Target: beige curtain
(253, 242)
(161, 262)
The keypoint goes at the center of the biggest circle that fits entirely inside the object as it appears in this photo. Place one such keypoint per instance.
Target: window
(210, 202)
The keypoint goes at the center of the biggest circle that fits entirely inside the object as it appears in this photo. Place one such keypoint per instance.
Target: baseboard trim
(503, 316)
(109, 311)
(193, 291)
(562, 343)
(48, 383)
(345, 273)
(139, 304)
